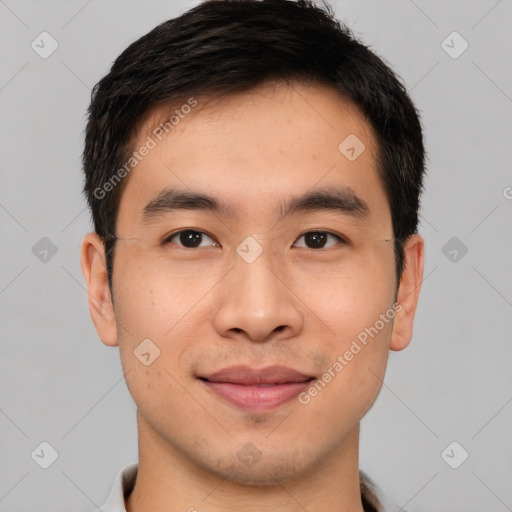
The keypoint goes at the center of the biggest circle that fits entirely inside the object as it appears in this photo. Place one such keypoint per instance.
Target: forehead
(255, 147)
(309, 111)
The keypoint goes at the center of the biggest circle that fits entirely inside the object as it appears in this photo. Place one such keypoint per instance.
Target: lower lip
(257, 398)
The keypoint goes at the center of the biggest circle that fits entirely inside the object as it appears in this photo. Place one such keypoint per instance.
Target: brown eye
(190, 239)
(318, 240)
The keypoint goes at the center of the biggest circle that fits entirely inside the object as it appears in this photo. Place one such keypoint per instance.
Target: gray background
(61, 385)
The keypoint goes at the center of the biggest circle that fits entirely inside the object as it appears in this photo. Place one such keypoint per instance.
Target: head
(268, 120)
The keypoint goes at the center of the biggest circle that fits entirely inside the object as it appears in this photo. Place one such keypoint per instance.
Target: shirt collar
(123, 486)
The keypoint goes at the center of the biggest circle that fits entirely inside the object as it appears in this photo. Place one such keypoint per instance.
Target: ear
(408, 292)
(101, 308)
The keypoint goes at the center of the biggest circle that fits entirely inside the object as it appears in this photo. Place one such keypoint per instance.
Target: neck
(168, 481)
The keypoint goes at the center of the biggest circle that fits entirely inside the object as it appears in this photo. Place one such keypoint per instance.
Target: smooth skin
(206, 308)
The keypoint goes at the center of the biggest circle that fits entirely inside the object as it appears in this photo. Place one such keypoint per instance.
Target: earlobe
(92, 259)
(408, 292)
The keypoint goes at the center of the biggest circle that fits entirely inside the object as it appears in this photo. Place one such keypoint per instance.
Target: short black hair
(229, 46)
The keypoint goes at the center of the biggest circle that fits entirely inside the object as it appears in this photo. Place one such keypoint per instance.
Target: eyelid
(167, 238)
(341, 238)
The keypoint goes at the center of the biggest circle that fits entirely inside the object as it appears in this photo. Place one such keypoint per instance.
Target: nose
(257, 303)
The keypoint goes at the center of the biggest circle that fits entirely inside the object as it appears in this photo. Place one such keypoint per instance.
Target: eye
(318, 240)
(190, 239)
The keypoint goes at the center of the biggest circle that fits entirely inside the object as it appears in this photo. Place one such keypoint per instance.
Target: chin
(260, 478)
(269, 470)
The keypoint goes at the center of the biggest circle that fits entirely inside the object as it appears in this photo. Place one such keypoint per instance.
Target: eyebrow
(336, 200)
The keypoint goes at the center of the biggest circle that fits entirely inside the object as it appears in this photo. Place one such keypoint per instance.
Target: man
(254, 175)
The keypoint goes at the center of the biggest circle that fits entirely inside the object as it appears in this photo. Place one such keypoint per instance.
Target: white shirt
(125, 481)
(123, 486)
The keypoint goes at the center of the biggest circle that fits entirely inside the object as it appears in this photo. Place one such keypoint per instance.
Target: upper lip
(247, 376)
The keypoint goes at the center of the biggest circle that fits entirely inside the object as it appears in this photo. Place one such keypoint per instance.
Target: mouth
(254, 389)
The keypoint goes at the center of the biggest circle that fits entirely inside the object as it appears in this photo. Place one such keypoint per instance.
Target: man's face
(292, 295)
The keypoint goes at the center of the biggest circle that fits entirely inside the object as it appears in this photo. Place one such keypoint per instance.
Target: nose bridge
(256, 298)
(257, 274)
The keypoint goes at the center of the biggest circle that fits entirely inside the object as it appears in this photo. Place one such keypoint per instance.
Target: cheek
(349, 296)
(357, 356)
(150, 297)
(160, 314)
(355, 308)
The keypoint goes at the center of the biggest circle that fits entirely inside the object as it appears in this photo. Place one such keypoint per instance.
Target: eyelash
(169, 238)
